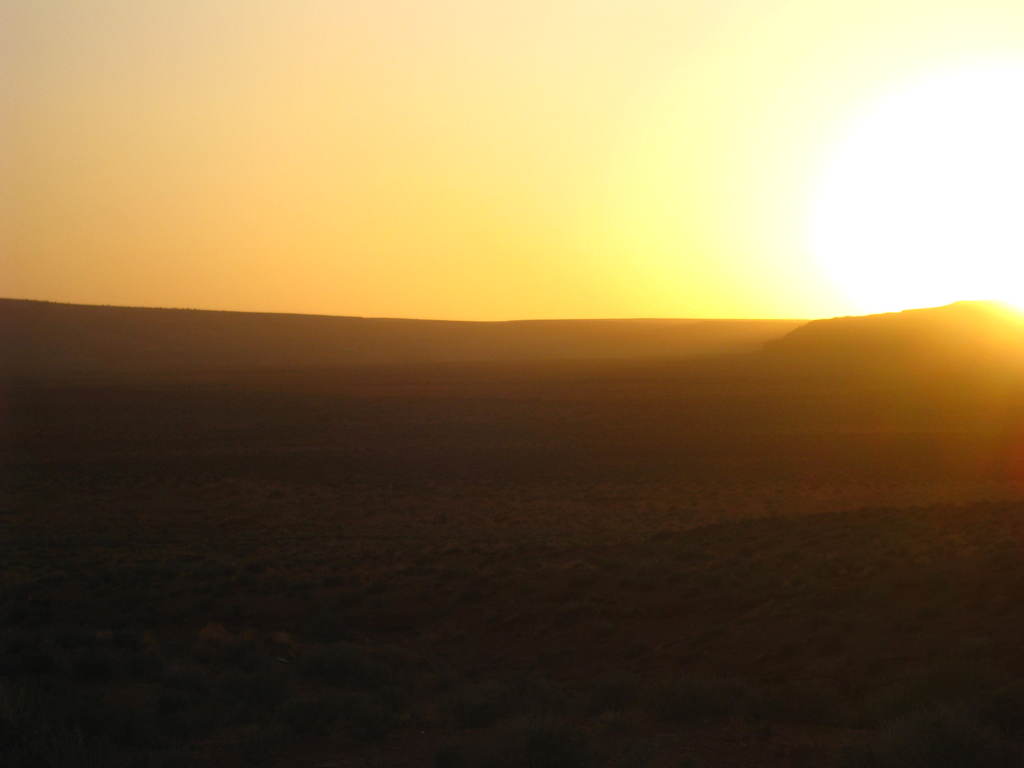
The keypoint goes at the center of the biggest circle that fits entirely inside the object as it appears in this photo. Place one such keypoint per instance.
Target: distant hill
(956, 336)
(38, 337)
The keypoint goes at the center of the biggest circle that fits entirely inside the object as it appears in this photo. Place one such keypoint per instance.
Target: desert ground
(729, 559)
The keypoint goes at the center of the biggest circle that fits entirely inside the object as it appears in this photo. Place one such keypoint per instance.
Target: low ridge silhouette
(924, 341)
(39, 337)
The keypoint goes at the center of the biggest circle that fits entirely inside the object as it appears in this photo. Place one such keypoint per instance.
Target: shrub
(690, 701)
(310, 717)
(70, 636)
(328, 627)
(482, 704)
(253, 695)
(371, 716)
(942, 738)
(343, 665)
(147, 665)
(261, 744)
(545, 746)
(32, 661)
(92, 664)
(187, 677)
(214, 643)
(534, 743)
(133, 727)
(451, 756)
(40, 729)
(614, 695)
(1005, 711)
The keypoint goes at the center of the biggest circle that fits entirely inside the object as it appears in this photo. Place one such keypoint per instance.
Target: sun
(922, 200)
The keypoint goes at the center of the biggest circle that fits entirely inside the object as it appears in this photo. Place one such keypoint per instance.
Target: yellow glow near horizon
(490, 160)
(922, 203)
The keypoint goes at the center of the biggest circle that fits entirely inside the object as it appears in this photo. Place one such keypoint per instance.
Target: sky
(459, 159)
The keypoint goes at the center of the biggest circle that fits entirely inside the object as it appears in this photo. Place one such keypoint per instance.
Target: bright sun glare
(922, 201)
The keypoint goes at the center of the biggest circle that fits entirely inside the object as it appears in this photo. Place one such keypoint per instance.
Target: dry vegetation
(566, 565)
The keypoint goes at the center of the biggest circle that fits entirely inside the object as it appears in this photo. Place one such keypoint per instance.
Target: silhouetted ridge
(960, 334)
(43, 337)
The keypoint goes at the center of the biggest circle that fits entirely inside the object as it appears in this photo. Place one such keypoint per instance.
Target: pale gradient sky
(462, 159)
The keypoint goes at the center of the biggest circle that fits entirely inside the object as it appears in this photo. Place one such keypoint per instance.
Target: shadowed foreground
(725, 562)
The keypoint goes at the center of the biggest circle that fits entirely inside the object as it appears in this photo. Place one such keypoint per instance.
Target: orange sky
(463, 159)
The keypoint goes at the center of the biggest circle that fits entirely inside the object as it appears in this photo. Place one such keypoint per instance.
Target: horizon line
(415, 319)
